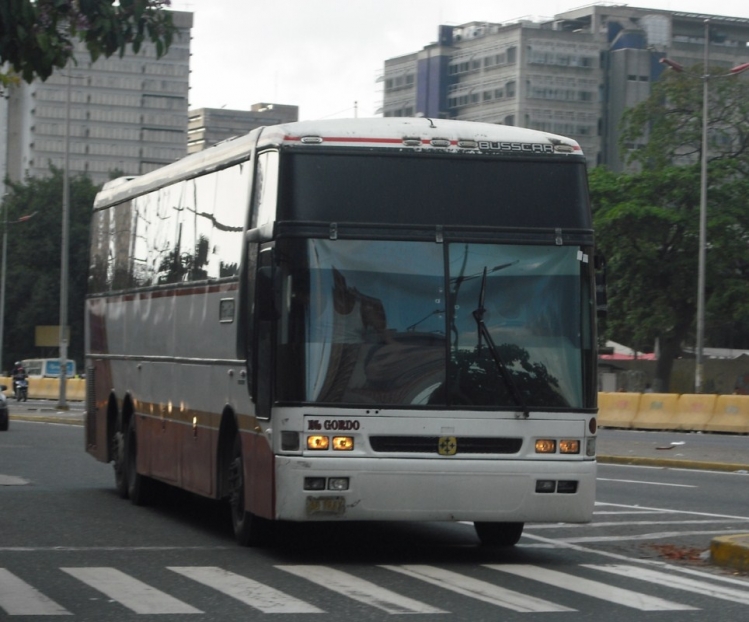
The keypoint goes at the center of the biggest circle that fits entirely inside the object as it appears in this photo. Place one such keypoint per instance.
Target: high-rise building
(210, 126)
(126, 115)
(573, 75)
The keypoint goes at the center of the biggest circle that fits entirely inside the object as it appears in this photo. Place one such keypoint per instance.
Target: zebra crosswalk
(21, 597)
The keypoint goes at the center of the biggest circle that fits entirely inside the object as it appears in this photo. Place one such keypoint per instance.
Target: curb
(675, 464)
(731, 551)
(48, 419)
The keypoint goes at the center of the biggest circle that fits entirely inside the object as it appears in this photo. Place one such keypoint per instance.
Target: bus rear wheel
(139, 487)
(118, 457)
(499, 534)
(249, 530)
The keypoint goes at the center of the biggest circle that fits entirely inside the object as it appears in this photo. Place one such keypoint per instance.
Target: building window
(510, 89)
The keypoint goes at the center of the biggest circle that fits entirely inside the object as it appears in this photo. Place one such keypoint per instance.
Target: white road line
(634, 481)
(360, 590)
(637, 523)
(679, 583)
(646, 536)
(18, 598)
(642, 562)
(129, 592)
(604, 512)
(252, 593)
(667, 511)
(480, 590)
(594, 589)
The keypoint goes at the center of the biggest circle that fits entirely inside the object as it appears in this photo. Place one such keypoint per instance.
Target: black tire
(499, 534)
(4, 420)
(139, 487)
(249, 530)
(118, 458)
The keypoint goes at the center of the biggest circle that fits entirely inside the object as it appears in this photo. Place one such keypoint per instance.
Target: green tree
(32, 296)
(647, 227)
(37, 36)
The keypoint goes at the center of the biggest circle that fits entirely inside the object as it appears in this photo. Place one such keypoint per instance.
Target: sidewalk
(656, 449)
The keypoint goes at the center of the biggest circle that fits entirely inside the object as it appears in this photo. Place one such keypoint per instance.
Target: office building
(574, 74)
(210, 126)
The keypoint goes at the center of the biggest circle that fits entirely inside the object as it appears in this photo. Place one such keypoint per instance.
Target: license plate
(326, 505)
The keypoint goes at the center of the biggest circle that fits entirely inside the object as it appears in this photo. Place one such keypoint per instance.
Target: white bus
(384, 319)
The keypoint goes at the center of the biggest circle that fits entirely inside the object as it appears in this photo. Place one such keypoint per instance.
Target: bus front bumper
(433, 490)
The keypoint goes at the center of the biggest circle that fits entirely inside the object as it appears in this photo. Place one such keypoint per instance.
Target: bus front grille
(430, 444)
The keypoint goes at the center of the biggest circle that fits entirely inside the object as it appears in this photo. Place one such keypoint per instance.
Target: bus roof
(410, 134)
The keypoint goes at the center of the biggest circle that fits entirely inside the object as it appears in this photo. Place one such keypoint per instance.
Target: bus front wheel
(249, 530)
(499, 534)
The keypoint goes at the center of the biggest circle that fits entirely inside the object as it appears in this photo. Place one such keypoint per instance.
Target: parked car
(4, 418)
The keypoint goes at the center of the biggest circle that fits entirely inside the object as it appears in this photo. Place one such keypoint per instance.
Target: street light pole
(62, 403)
(699, 366)
(2, 277)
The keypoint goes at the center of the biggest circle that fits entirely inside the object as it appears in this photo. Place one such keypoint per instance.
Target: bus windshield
(393, 323)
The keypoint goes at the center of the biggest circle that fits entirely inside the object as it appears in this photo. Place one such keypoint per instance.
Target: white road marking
(646, 536)
(667, 511)
(679, 583)
(634, 481)
(360, 590)
(642, 562)
(480, 590)
(594, 589)
(18, 598)
(129, 592)
(636, 522)
(252, 593)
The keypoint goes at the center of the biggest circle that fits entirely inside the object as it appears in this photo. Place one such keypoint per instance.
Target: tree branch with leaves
(38, 36)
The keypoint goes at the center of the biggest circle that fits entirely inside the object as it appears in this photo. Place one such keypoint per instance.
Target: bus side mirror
(599, 262)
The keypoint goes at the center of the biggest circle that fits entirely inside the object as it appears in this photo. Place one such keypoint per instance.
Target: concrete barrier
(694, 411)
(657, 411)
(49, 388)
(731, 414)
(617, 410)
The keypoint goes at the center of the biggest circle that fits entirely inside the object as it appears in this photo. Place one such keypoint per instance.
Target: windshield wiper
(478, 315)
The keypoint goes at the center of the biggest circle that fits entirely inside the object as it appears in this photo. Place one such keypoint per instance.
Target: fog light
(318, 443)
(290, 441)
(546, 485)
(338, 483)
(590, 447)
(567, 487)
(343, 443)
(569, 447)
(545, 446)
(314, 483)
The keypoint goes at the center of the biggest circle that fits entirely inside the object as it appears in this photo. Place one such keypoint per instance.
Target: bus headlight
(338, 483)
(343, 443)
(545, 446)
(318, 443)
(569, 447)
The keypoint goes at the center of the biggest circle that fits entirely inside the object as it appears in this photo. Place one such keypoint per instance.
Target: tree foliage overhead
(37, 36)
(667, 127)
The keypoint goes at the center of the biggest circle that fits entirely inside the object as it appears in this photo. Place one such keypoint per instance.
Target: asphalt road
(70, 546)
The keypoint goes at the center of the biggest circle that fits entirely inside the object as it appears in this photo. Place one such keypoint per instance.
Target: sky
(325, 55)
